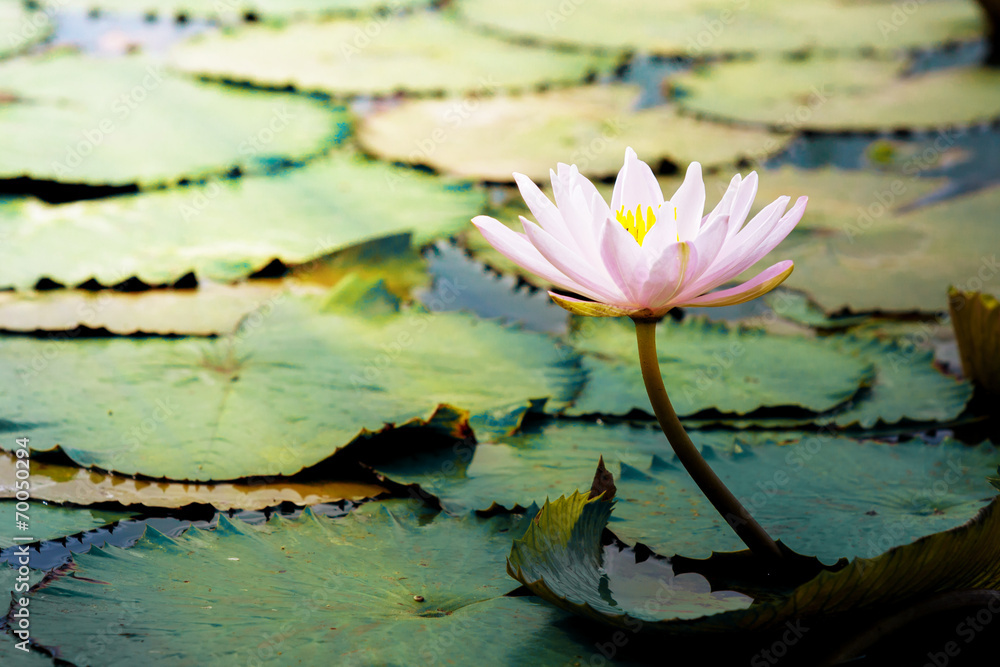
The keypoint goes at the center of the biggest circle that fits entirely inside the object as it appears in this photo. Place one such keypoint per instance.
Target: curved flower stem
(748, 530)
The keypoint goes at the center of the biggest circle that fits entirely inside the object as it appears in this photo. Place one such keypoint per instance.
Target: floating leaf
(828, 496)
(123, 121)
(966, 557)
(712, 367)
(65, 484)
(386, 584)
(14, 649)
(976, 318)
(822, 94)
(227, 229)
(50, 522)
(416, 53)
(589, 127)
(287, 389)
(704, 28)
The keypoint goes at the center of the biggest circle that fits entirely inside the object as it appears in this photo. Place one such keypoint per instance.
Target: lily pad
(56, 483)
(285, 390)
(962, 558)
(50, 522)
(875, 260)
(123, 121)
(712, 367)
(227, 229)
(415, 53)
(14, 649)
(589, 127)
(230, 10)
(386, 584)
(824, 495)
(21, 27)
(711, 27)
(820, 94)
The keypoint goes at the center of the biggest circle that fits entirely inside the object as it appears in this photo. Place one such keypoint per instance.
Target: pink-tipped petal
(725, 204)
(767, 239)
(708, 244)
(623, 259)
(762, 283)
(573, 265)
(670, 291)
(546, 213)
(690, 202)
(575, 207)
(665, 275)
(519, 250)
(742, 203)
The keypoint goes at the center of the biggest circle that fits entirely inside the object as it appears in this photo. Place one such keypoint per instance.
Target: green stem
(746, 527)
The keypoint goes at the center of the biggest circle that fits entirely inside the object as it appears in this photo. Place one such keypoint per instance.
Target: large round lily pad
(711, 27)
(228, 229)
(591, 127)
(384, 585)
(839, 94)
(416, 53)
(828, 496)
(75, 119)
(284, 391)
(711, 367)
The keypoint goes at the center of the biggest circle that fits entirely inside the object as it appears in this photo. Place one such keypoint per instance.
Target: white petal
(519, 250)
(688, 260)
(635, 186)
(593, 278)
(545, 212)
(690, 202)
(623, 259)
(725, 205)
(575, 206)
(742, 203)
(665, 276)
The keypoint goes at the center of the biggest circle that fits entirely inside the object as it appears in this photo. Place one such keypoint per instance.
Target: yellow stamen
(635, 223)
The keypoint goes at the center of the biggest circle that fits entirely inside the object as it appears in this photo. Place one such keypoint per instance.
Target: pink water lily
(643, 255)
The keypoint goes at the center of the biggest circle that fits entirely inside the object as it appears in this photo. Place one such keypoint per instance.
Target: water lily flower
(642, 255)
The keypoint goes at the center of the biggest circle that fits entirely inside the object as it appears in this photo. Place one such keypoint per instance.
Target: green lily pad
(907, 386)
(828, 496)
(822, 94)
(123, 121)
(415, 53)
(50, 522)
(712, 367)
(21, 27)
(589, 127)
(236, 9)
(874, 260)
(284, 391)
(711, 27)
(386, 584)
(966, 557)
(227, 229)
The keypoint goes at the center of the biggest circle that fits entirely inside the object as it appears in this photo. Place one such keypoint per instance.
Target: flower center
(636, 224)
